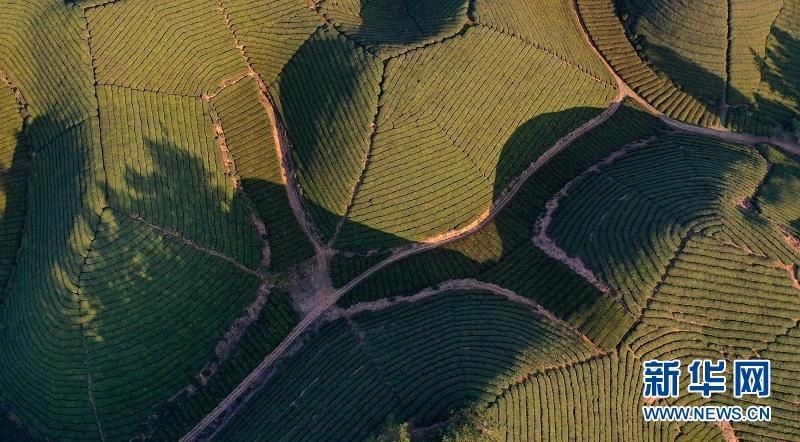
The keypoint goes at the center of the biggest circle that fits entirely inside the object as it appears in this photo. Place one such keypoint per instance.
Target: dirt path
(727, 431)
(192, 244)
(729, 136)
(549, 246)
(463, 284)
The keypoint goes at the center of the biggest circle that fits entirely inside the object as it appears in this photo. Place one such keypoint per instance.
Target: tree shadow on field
(406, 22)
(329, 91)
(776, 115)
(784, 80)
(14, 168)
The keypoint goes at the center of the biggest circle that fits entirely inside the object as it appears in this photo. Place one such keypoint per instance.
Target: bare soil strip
(237, 329)
(194, 245)
(727, 431)
(230, 81)
(83, 325)
(229, 166)
(22, 103)
(792, 270)
(458, 285)
(549, 246)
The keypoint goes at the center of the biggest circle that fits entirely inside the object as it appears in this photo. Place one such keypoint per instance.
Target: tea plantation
(393, 220)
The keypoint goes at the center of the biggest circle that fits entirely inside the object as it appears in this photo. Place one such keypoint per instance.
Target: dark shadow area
(128, 288)
(785, 81)
(777, 197)
(42, 376)
(392, 23)
(14, 170)
(144, 311)
(754, 113)
(518, 265)
(325, 96)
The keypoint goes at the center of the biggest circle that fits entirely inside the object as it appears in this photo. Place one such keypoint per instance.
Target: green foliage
(609, 35)
(600, 399)
(164, 166)
(721, 302)
(137, 157)
(179, 415)
(51, 69)
(547, 24)
(627, 220)
(687, 41)
(327, 94)
(42, 314)
(777, 197)
(471, 425)
(387, 27)
(705, 62)
(393, 431)
(270, 31)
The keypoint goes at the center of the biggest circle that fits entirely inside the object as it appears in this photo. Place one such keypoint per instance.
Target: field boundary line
(367, 158)
(93, 69)
(656, 287)
(551, 52)
(148, 91)
(728, 61)
(462, 284)
(191, 243)
(77, 293)
(98, 5)
(544, 371)
(365, 350)
(459, 33)
(24, 110)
